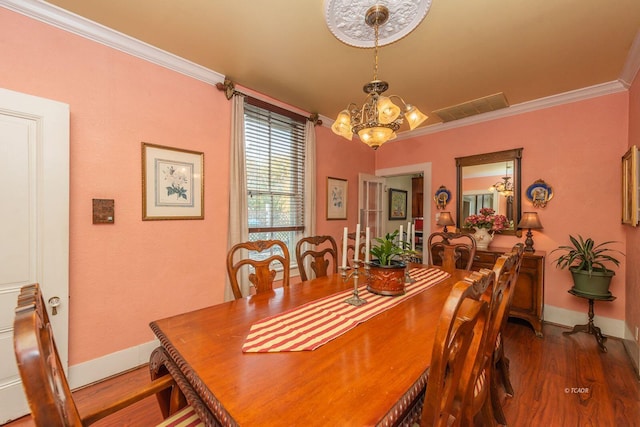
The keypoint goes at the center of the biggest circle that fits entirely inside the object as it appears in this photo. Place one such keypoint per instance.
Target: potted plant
(386, 272)
(587, 263)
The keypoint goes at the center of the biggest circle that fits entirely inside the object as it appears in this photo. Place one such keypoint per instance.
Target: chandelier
(504, 187)
(377, 121)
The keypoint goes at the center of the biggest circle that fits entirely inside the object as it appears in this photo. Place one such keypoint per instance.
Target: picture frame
(397, 204)
(630, 187)
(172, 183)
(337, 197)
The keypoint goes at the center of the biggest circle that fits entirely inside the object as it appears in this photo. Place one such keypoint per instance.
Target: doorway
(34, 237)
(405, 174)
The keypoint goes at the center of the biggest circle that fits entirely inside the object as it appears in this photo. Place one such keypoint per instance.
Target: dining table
(372, 373)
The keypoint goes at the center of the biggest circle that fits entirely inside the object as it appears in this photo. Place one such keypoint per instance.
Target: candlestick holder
(406, 258)
(355, 299)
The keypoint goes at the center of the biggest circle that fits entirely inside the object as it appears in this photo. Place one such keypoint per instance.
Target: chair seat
(185, 417)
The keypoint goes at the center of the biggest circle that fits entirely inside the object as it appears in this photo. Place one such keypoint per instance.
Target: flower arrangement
(487, 219)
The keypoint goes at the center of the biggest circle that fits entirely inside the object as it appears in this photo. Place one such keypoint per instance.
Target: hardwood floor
(559, 381)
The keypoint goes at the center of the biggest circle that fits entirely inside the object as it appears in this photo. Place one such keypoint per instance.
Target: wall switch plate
(103, 211)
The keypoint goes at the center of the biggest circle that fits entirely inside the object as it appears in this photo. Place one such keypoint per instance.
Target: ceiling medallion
(344, 19)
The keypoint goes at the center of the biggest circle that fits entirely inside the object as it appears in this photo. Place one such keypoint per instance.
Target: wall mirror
(490, 180)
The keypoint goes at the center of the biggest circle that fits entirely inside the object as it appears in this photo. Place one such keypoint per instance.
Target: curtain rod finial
(228, 87)
(315, 119)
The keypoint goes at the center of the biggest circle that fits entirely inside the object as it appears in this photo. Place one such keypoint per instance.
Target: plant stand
(590, 327)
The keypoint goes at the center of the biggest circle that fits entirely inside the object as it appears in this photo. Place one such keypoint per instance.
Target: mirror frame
(479, 159)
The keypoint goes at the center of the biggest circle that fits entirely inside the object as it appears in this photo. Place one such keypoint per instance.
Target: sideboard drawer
(483, 259)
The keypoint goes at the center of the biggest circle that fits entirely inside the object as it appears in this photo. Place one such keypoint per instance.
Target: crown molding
(632, 64)
(525, 107)
(60, 18)
(83, 27)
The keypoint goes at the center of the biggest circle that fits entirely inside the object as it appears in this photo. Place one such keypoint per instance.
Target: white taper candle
(367, 244)
(344, 247)
(356, 255)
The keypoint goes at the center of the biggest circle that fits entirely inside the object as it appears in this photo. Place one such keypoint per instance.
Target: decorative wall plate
(442, 197)
(539, 193)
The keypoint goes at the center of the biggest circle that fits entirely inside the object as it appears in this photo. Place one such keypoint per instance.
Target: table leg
(590, 328)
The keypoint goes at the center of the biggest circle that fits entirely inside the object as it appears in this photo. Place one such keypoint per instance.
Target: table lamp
(530, 221)
(445, 219)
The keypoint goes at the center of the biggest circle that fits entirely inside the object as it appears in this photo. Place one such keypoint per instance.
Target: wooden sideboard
(528, 297)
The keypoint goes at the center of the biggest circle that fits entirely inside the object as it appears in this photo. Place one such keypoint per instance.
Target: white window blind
(274, 148)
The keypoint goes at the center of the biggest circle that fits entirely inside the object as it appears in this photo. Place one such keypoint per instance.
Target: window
(275, 151)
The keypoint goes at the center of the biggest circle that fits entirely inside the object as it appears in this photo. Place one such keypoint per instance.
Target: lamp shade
(414, 116)
(530, 220)
(387, 110)
(342, 125)
(375, 136)
(445, 219)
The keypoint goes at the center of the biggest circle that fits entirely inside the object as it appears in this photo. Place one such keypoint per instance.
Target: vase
(482, 238)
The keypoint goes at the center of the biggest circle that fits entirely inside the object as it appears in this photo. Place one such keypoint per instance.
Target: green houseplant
(386, 273)
(386, 249)
(587, 263)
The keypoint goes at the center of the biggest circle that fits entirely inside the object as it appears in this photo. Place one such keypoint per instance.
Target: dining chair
(351, 247)
(457, 354)
(320, 247)
(46, 386)
(261, 275)
(451, 250)
(507, 270)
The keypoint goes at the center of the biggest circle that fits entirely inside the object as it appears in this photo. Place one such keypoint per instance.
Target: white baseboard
(110, 364)
(562, 316)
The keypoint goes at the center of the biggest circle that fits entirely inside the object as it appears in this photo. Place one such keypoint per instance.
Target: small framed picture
(337, 198)
(172, 183)
(397, 204)
(630, 187)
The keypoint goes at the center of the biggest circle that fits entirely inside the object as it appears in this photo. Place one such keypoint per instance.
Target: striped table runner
(313, 324)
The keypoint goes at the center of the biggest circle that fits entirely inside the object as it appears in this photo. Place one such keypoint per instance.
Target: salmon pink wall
(633, 233)
(575, 148)
(123, 276)
(338, 158)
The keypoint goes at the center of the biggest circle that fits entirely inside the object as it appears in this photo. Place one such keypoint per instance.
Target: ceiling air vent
(472, 108)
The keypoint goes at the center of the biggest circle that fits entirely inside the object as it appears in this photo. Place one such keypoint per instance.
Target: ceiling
(462, 50)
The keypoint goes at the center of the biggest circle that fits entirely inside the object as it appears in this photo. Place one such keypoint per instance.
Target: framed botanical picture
(397, 204)
(630, 184)
(172, 183)
(336, 198)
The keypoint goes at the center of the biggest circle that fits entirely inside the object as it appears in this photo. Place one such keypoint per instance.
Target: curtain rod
(229, 90)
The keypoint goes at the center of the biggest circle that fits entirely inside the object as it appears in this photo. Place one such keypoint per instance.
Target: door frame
(425, 170)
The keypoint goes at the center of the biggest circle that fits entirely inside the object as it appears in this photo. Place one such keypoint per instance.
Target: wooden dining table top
(353, 380)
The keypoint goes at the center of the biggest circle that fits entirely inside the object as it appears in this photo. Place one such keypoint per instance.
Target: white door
(34, 224)
(371, 203)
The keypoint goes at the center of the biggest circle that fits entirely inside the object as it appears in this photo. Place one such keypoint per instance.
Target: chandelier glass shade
(379, 118)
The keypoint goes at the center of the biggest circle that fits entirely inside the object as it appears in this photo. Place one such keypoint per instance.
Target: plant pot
(386, 279)
(596, 285)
